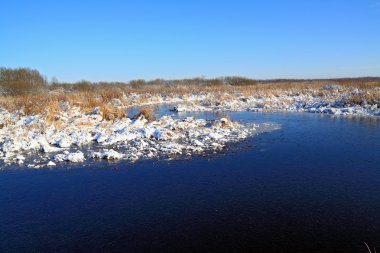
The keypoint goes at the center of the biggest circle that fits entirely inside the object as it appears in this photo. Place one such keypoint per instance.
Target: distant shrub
(239, 81)
(370, 98)
(83, 86)
(135, 84)
(21, 81)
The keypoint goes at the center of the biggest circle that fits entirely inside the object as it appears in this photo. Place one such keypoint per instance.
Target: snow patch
(108, 154)
(76, 157)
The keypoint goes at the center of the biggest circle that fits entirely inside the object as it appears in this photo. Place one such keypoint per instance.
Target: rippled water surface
(312, 186)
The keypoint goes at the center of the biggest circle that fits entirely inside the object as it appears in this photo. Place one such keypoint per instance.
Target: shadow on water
(312, 186)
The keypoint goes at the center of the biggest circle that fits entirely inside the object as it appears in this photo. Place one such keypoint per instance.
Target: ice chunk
(51, 163)
(63, 142)
(163, 134)
(70, 157)
(139, 122)
(198, 143)
(108, 154)
(46, 147)
(215, 136)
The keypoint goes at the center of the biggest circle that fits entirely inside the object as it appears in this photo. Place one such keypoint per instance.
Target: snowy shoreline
(329, 99)
(90, 137)
(76, 136)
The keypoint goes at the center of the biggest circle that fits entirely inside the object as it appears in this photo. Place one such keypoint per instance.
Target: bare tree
(21, 81)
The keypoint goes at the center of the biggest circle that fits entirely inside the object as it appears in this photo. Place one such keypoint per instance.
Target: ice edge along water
(88, 136)
(138, 138)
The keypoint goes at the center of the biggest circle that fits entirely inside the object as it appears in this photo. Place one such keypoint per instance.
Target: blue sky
(123, 40)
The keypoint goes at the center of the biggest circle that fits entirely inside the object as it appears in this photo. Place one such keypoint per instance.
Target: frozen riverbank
(75, 128)
(328, 99)
(333, 100)
(33, 141)
(300, 103)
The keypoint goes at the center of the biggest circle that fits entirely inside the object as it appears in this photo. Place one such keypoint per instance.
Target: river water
(311, 186)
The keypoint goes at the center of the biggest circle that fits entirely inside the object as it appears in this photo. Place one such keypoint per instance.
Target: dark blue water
(313, 186)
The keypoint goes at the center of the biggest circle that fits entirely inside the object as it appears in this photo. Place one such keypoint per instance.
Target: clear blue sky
(123, 40)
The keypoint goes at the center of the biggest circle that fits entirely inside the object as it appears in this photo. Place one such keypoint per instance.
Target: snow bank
(130, 139)
(330, 104)
(76, 157)
(22, 137)
(108, 154)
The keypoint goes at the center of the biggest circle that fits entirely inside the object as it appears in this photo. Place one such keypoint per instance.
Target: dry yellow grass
(110, 112)
(369, 97)
(148, 114)
(50, 104)
(39, 104)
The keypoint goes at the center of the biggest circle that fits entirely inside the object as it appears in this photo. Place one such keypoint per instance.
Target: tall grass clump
(148, 113)
(110, 112)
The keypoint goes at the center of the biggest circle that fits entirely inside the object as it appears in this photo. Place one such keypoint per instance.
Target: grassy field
(27, 91)
(49, 101)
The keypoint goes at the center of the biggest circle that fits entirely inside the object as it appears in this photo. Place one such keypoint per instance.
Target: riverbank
(36, 142)
(77, 126)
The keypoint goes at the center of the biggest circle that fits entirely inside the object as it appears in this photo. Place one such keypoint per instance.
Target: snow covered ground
(300, 103)
(329, 99)
(76, 136)
(32, 141)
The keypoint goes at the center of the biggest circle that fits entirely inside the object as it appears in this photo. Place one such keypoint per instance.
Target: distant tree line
(20, 81)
